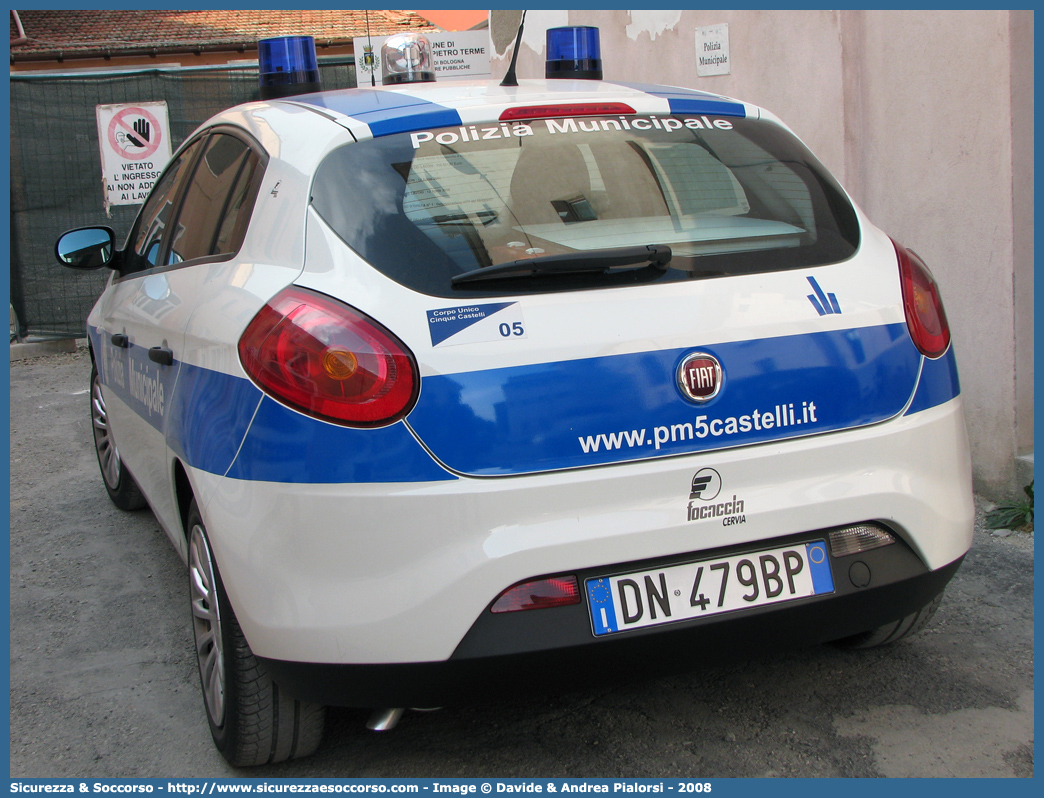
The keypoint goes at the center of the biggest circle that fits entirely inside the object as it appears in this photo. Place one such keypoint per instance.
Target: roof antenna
(368, 56)
(509, 78)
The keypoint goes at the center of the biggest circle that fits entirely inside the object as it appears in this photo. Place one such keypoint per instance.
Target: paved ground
(103, 680)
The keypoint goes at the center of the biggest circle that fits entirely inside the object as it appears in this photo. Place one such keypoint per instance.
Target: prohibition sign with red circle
(148, 148)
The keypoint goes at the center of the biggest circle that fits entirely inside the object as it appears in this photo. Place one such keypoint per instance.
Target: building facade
(926, 117)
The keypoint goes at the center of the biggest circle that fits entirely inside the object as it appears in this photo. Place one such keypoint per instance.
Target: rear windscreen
(727, 195)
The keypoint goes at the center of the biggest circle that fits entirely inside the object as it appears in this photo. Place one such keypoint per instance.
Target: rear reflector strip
(559, 591)
(858, 538)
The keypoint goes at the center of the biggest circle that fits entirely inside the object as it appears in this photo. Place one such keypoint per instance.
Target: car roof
(376, 112)
(303, 128)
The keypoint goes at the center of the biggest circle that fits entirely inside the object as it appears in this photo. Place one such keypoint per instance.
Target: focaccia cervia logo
(705, 488)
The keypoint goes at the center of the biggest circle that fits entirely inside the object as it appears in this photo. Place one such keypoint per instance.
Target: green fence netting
(56, 170)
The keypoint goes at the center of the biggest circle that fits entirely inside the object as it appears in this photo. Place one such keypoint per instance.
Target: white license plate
(709, 587)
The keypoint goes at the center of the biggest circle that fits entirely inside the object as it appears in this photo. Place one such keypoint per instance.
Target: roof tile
(86, 33)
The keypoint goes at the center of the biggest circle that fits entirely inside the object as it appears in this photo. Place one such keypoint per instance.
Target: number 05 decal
(472, 324)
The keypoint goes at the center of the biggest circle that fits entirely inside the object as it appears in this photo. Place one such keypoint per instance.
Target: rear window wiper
(594, 260)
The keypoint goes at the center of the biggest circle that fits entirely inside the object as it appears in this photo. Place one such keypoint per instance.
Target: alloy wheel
(206, 624)
(108, 454)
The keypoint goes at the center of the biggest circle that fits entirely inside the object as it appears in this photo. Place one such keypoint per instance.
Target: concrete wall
(1022, 71)
(926, 117)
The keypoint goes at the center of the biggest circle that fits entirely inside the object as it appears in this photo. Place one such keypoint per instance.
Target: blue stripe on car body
(495, 422)
(210, 422)
(286, 446)
(385, 112)
(209, 416)
(223, 424)
(939, 383)
(689, 101)
(388, 112)
(146, 387)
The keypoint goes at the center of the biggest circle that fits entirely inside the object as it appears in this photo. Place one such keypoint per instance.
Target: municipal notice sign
(712, 50)
(454, 55)
(135, 147)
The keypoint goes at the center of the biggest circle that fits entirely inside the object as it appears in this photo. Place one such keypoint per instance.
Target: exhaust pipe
(384, 719)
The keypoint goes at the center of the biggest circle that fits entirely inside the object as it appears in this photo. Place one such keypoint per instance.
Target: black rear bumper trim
(470, 679)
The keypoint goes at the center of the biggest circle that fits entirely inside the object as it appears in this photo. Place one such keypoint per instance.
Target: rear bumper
(551, 650)
(391, 573)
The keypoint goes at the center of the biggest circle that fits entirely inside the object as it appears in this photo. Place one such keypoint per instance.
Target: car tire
(895, 631)
(119, 483)
(253, 722)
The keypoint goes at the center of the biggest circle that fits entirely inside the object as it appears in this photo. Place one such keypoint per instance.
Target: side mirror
(86, 248)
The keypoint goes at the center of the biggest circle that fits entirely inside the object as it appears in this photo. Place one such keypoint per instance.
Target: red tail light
(558, 591)
(329, 361)
(925, 316)
(576, 109)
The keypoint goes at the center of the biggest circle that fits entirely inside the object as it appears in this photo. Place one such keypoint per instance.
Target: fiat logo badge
(699, 377)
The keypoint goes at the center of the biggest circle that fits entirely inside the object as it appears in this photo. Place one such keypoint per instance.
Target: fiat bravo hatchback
(436, 386)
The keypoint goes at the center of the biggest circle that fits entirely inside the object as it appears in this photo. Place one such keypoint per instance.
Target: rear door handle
(120, 340)
(161, 355)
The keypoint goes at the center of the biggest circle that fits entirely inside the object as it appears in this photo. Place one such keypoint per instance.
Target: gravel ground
(103, 679)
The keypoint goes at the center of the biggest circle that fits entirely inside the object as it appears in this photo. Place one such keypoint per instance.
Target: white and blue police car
(436, 386)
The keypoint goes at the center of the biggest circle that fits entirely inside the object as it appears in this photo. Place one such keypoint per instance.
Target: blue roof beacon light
(406, 58)
(573, 52)
(287, 66)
